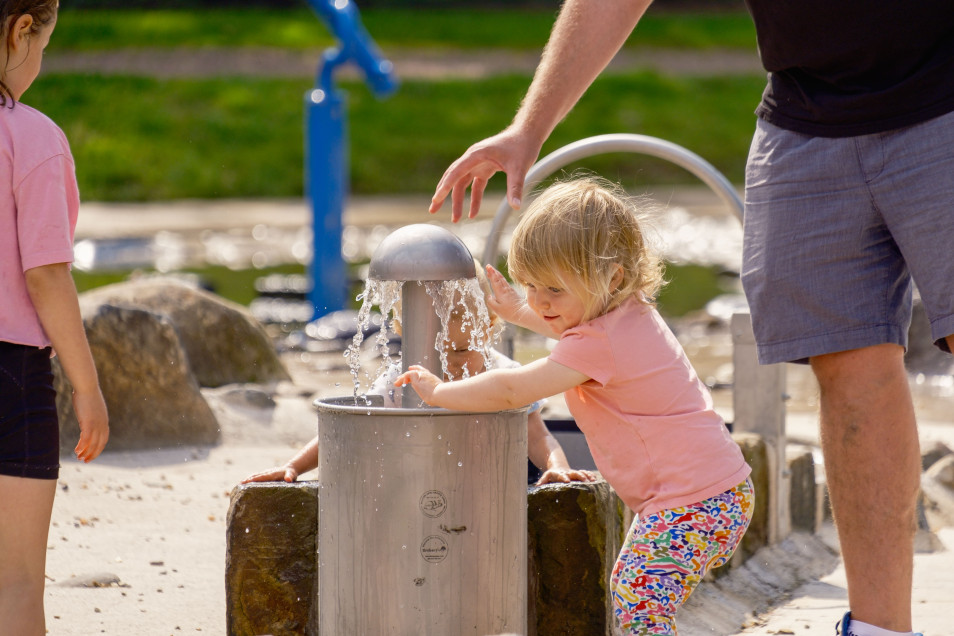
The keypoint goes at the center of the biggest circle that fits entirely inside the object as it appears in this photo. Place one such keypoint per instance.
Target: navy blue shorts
(29, 427)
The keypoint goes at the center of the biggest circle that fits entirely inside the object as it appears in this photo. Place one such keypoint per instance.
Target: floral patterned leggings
(666, 554)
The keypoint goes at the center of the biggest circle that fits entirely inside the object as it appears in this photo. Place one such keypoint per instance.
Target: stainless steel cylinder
(422, 526)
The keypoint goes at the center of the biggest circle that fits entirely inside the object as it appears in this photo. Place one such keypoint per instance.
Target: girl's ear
(20, 30)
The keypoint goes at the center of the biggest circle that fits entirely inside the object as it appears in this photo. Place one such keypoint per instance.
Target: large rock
(575, 534)
(270, 559)
(223, 343)
(152, 396)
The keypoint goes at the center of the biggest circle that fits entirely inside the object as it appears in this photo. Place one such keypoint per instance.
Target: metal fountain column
(416, 254)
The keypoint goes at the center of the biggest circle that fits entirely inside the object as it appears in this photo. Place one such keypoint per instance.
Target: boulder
(152, 396)
(575, 534)
(223, 343)
(271, 559)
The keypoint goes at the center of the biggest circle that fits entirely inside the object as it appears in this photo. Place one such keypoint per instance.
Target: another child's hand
(565, 475)
(90, 409)
(279, 473)
(505, 301)
(423, 381)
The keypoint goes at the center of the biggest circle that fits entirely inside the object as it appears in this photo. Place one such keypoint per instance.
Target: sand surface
(137, 541)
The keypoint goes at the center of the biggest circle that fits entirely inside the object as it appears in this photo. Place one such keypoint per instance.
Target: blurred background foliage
(142, 137)
(148, 137)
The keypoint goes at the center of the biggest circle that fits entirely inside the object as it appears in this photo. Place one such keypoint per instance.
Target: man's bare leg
(872, 461)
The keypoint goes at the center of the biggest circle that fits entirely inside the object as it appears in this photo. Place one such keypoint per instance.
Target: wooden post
(758, 399)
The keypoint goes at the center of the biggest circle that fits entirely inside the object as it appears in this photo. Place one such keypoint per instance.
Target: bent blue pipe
(326, 147)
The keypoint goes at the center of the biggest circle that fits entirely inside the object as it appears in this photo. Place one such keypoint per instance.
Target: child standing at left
(39, 313)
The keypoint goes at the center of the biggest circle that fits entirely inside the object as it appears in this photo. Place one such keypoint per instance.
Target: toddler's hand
(565, 475)
(423, 381)
(505, 302)
(279, 473)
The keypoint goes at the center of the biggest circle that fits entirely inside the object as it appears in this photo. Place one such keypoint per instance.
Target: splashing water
(464, 299)
(458, 304)
(385, 294)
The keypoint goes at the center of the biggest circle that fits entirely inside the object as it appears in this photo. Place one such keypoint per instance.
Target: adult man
(848, 192)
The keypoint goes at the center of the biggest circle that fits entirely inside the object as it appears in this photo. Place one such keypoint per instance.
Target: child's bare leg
(24, 529)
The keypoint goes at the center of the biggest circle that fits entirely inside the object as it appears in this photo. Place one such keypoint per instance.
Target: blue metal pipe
(326, 146)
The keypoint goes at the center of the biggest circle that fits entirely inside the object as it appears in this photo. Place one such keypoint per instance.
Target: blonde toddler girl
(590, 282)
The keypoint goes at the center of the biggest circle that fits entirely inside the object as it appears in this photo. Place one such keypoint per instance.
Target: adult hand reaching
(511, 151)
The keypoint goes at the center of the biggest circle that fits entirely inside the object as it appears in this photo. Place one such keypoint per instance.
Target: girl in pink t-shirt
(648, 419)
(39, 308)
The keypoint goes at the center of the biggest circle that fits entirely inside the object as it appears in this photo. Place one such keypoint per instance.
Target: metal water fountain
(422, 523)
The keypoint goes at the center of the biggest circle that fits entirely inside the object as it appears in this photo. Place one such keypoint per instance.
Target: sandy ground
(137, 543)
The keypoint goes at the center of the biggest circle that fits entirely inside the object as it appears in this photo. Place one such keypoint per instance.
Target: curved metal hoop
(604, 144)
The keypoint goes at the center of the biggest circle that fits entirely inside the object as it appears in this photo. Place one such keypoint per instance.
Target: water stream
(459, 304)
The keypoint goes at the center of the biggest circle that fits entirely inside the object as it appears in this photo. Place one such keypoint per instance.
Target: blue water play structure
(326, 145)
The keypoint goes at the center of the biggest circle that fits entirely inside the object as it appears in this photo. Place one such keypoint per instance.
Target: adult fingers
(457, 201)
(453, 182)
(515, 188)
(477, 187)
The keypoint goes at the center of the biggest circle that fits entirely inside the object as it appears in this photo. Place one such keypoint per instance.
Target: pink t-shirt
(38, 207)
(647, 417)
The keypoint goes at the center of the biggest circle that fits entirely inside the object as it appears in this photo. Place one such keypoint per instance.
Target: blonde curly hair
(576, 235)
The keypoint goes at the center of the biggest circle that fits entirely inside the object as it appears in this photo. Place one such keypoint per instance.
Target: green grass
(85, 29)
(138, 138)
(689, 288)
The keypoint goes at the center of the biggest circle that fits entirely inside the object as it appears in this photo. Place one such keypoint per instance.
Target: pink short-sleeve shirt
(38, 208)
(647, 417)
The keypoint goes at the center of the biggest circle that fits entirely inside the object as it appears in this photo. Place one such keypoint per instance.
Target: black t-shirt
(840, 68)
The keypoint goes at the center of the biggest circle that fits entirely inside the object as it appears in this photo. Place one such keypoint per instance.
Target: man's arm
(586, 36)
